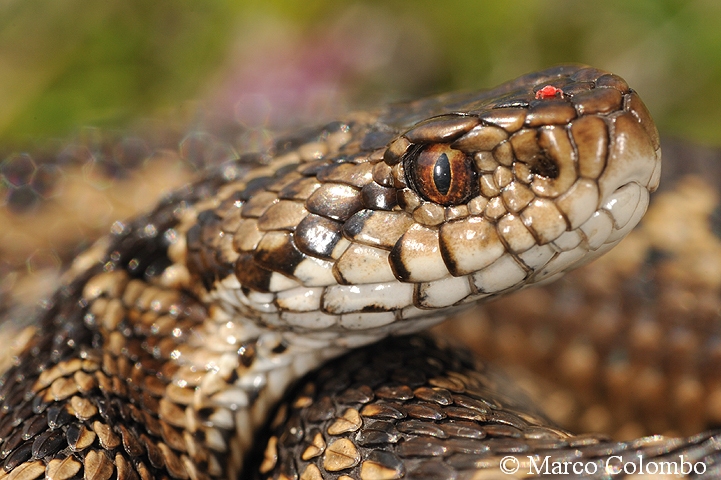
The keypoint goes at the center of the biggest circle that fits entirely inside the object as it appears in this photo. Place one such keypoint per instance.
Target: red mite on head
(548, 91)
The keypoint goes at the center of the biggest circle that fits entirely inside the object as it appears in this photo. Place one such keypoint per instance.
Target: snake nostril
(544, 166)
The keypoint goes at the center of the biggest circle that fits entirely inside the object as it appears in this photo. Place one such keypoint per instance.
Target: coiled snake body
(173, 338)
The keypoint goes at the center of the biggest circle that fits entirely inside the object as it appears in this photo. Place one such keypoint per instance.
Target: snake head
(412, 211)
(520, 184)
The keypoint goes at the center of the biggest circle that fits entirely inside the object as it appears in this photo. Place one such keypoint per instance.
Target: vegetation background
(272, 63)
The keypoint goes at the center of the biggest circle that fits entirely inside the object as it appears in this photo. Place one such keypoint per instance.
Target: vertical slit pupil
(442, 174)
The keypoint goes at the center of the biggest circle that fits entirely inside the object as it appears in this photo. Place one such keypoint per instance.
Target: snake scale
(171, 340)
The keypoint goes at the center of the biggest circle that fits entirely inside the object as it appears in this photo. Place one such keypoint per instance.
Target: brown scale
(96, 405)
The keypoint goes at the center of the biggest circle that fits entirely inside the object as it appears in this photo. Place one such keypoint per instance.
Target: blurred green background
(71, 64)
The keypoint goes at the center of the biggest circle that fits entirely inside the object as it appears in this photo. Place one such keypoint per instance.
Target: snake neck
(197, 379)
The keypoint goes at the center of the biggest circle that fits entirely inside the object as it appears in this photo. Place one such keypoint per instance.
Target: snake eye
(442, 175)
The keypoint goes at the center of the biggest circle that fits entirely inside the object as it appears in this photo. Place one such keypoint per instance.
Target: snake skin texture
(411, 408)
(171, 339)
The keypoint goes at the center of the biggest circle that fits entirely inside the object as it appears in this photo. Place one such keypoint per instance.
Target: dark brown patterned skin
(171, 339)
(93, 409)
(388, 412)
(414, 407)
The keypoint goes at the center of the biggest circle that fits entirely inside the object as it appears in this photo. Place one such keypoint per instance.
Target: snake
(305, 273)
